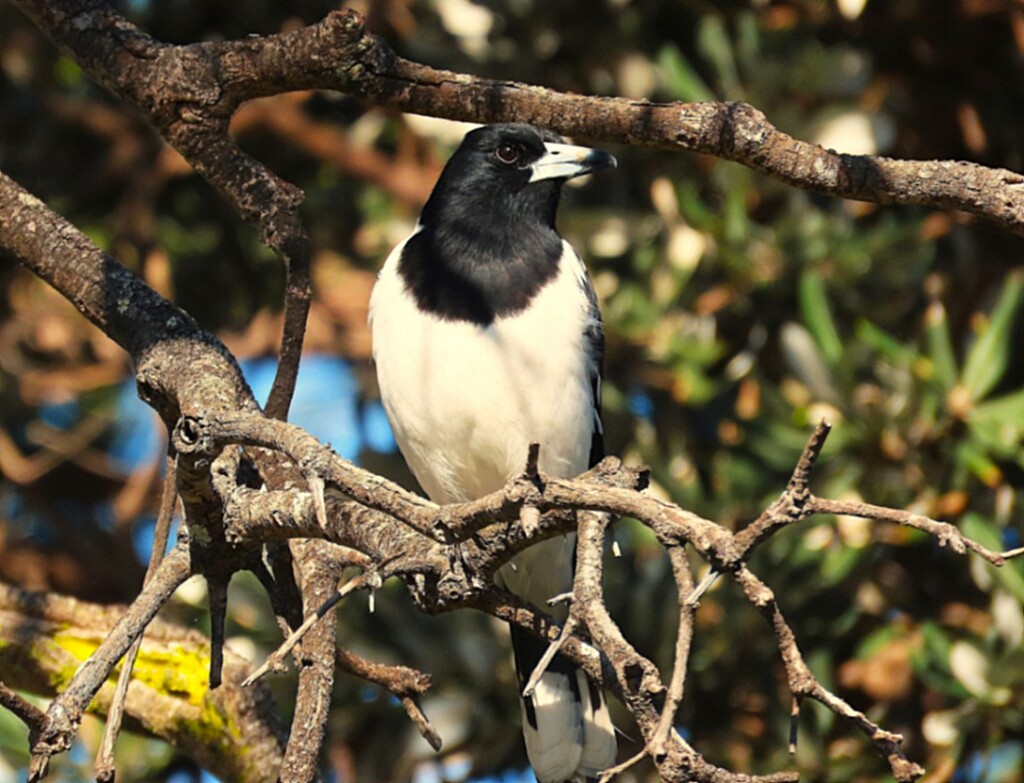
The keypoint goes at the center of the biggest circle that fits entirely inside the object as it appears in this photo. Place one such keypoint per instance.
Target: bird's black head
(513, 170)
(487, 241)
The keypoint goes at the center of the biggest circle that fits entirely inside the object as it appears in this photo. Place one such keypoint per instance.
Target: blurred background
(739, 312)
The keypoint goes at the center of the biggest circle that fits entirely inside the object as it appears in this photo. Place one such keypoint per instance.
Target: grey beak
(564, 161)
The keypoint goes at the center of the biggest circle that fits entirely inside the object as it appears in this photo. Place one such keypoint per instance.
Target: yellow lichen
(174, 670)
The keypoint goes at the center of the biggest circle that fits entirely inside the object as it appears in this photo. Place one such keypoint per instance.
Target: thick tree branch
(190, 91)
(193, 87)
(234, 732)
(189, 94)
(104, 636)
(318, 578)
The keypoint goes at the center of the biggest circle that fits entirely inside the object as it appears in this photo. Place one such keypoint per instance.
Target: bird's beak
(564, 161)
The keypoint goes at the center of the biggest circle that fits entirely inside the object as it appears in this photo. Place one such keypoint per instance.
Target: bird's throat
(479, 270)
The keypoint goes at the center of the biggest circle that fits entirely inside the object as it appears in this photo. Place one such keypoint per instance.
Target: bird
(487, 337)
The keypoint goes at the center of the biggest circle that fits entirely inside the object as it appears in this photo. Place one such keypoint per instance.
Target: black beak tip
(599, 159)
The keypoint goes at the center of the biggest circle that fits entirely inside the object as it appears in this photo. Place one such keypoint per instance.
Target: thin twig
(611, 772)
(794, 719)
(693, 597)
(297, 296)
(316, 490)
(275, 661)
(791, 506)
(532, 471)
(947, 534)
(65, 712)
(561, 598)
(419, 719)
(28, 713)
(802, 683)
(684, 638)
(217, 597)
(103, 769)
(545, 660)
(404, 683)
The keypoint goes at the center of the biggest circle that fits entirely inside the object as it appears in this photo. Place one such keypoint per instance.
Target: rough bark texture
(233, 731)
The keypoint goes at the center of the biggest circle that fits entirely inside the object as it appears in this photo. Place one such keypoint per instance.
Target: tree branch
(65, 713)
(234, 732)
(406, 684)
(104, 766)
(466, 566)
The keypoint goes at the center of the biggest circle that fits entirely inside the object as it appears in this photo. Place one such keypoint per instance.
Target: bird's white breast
(465, 400)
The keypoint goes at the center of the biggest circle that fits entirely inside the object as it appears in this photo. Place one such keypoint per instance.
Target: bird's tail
(568, 731)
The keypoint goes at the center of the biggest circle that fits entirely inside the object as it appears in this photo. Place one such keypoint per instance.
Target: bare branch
(275, 661)
(684, 638)
(104, 766)
(946, 534)
(545, 660)
(802, 683)
(612, 772)
(404, 683)
(318, 579)
(791, 505)
(27, 713)
(44, 637)
(65, 713)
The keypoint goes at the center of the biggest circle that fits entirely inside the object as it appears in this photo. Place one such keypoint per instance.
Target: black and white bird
(487, 337)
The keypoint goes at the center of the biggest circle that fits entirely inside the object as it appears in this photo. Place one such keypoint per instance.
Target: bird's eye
(508, 153)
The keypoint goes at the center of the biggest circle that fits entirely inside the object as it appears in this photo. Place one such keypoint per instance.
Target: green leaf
(838, 563)
(692, 206)
(987, 359)
(817, 315)
(1009, 408)
(735, 218)
(885, 344)
(878, 640)
(803, 355)
(748, 50)
(972, 457)
(714, 44)
(999, 423)
(988, 533)
(68, 72)
(940, 347)
(680, 78)
(937, 643)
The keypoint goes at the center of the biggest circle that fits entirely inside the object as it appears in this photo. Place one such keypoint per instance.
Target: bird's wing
(593, 337)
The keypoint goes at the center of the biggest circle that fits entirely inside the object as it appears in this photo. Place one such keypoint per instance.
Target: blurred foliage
(739, 312)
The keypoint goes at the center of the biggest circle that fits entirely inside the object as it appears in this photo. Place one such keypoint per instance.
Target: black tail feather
(528, 650)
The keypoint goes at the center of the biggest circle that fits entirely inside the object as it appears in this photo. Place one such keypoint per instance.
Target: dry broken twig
(275, 662)
(405, 684)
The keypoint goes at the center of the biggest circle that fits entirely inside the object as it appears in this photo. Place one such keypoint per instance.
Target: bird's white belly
(466, 401)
